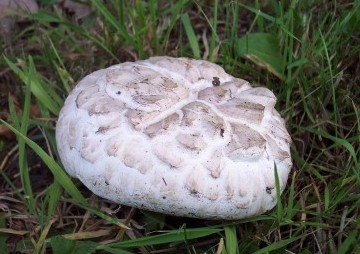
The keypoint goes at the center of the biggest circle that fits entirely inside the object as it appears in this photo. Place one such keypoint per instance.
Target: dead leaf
(12, 231)
(77, 10)
(8, 7)
(8, 20)
(87, 235)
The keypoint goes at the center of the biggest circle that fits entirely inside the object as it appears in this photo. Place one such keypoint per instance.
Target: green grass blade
(60, 245)
(102, 215)
(3, 237)
(83, 31)
(333, 95)
(116, 251)
(169, 237)
(289, 55)
(153, 9)
(214, 36)
(114, 23)
(46, 90)
(255, 11)
(277, 245)
(346, 245)
(279, 206)
(63, 73)
(234, 24)
(42, 94)
(259, 19)
(59, 175)
(231, 240)
(326, 198)
(23, 166)
(290, 206)
(13, 114)
(341, 142)
(46, 19)
(52, 198)
(263, 49)
(12, 185)
(213, 26)
(174, 16)
(191, 35)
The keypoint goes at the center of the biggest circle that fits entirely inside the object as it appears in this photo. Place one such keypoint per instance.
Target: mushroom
(177, 136)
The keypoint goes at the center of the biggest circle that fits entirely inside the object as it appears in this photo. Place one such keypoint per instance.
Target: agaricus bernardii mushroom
(177, 136)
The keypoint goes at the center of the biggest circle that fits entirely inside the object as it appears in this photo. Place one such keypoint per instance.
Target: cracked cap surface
(177, 136)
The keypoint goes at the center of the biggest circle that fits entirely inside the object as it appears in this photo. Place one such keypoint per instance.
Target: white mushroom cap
(177, 136)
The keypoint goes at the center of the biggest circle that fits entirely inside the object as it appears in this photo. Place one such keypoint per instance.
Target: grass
(306, 52)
